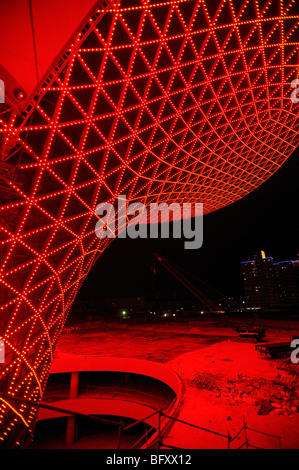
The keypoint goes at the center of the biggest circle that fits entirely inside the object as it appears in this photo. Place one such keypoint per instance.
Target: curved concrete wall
(117, 407)
(115, 364)
(94, 406)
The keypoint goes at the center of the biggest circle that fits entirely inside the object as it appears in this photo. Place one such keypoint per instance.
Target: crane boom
(183, 280)
(254, 332)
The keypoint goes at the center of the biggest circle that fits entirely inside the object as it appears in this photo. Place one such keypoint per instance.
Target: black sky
(266, 219)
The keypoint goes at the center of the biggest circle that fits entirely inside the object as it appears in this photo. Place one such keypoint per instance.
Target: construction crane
(254, 332)
(174, 270)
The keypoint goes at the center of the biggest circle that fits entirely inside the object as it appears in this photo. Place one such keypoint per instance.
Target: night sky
(266, 219)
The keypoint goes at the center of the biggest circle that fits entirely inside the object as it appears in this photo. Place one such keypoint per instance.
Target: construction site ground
(226, 381)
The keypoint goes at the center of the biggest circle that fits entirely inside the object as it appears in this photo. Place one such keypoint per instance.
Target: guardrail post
(245, 432)
(159, 429)
(119, 433)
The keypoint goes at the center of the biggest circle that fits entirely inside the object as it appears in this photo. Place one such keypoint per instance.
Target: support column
(71, 420)
(74, 389)
(70, 430)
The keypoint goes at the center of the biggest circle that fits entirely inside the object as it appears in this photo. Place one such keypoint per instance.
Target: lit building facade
(268, 284)
(287, 275)
(172, 101)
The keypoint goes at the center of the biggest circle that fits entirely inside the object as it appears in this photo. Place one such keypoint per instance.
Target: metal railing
(156, 438)
(227, 436)
(168, 417)
(113, 393)
(246, 443)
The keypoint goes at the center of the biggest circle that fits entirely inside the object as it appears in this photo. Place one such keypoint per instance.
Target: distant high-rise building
(259, 281)
(287, 274)
(269, 284)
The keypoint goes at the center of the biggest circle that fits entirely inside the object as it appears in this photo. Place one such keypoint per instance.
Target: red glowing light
(20, 94)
